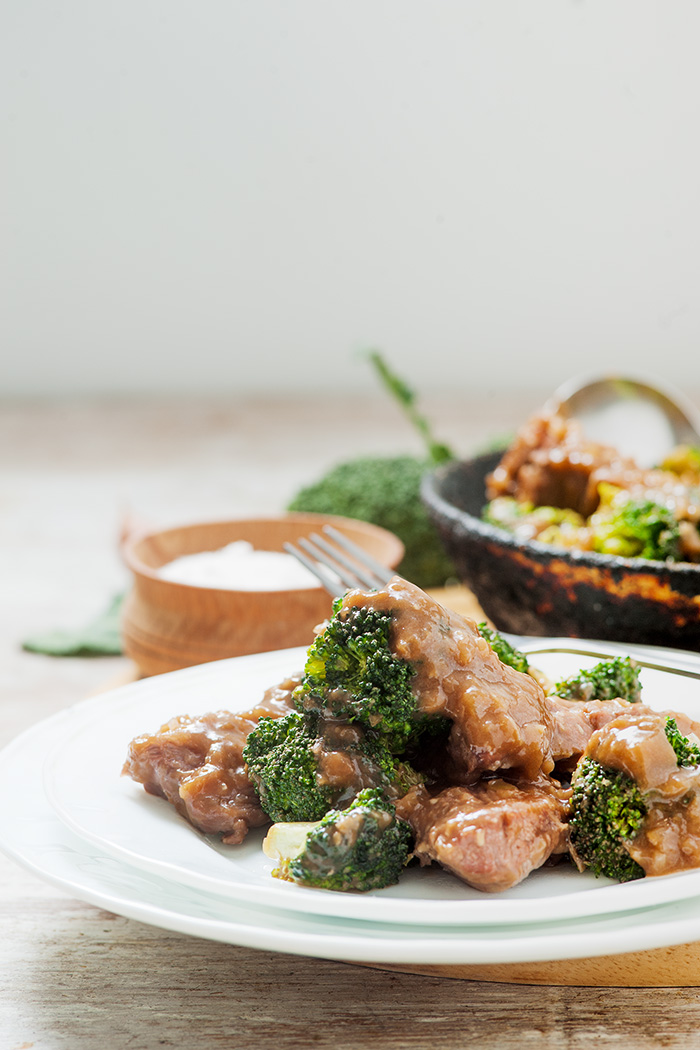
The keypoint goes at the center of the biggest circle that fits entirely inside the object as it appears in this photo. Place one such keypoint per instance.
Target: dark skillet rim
(440, 506)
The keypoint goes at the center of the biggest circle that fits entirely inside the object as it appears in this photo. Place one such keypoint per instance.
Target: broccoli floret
(385, 492)
(607, 809)
(285, 759)
(352, 673)
(282, 765)
(687, 754)
(363, 847)
(634, 528)
(505, 652)
(609, 679)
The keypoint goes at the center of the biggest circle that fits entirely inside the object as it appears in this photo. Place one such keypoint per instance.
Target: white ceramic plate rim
(119, 818)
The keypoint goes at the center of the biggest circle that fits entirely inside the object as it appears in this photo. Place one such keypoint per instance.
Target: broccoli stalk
(363, 847)
(608, 680)
(437, 452)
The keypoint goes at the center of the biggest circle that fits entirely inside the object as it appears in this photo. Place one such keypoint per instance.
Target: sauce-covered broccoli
(282, 765)
(611, 679)
(554, 525)
(635, 798)
(362, 847)
(304, 763)
(683, 460)
(352, 673)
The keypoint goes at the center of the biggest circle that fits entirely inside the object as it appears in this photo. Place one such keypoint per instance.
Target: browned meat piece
(491, 835)
(636, 743)
(574, 721)
(197, 765)
(551, 463)
(501, 719)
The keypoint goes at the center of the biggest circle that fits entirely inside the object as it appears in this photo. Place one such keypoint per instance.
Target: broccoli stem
(437, 452)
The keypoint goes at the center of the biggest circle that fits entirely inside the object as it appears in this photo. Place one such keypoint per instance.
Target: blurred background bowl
(531, 588)
(168, 625)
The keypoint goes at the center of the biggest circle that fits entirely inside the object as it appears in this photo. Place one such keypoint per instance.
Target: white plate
(31, 834)
(83, 783)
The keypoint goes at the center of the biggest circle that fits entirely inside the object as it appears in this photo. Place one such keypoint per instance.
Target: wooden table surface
(78, 977)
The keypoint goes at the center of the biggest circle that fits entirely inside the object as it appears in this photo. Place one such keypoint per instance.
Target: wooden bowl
(533, 588)
(167, 625)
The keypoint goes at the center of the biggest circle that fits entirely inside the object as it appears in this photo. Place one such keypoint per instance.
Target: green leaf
(99, 637)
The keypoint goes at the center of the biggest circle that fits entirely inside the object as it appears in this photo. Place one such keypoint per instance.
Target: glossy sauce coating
(491, 835)
(197, 765)
(636, 744)
(500, 717)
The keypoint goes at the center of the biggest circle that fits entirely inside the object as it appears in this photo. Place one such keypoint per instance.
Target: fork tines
(340, 565)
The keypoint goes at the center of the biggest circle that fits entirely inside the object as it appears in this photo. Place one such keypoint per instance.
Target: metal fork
(339, 565)
(345, 566)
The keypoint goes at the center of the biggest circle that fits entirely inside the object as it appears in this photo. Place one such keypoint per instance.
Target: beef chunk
(492, 834)
(197, 765)
(499, 715)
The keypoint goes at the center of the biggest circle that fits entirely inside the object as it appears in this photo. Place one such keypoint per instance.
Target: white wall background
(209, 195)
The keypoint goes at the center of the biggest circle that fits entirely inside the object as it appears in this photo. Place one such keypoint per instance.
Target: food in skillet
(414, 734)
(555, 486)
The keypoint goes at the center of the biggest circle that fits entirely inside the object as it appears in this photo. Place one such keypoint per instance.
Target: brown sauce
(636, 744)
(500, 718)
(197, 765)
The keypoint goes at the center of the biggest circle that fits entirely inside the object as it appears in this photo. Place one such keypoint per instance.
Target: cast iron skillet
(535, 589)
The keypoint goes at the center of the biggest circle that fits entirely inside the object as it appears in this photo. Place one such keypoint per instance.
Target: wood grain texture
(92, 979)
(74, 977)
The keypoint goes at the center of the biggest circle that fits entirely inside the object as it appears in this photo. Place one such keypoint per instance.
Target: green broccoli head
(634, 528)
(301, 765)
(363, 847)
(351, 673)
(607, 809)
(505, 652)
(386, 492)
(283, 765)
(618, 677)
(687, 754)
